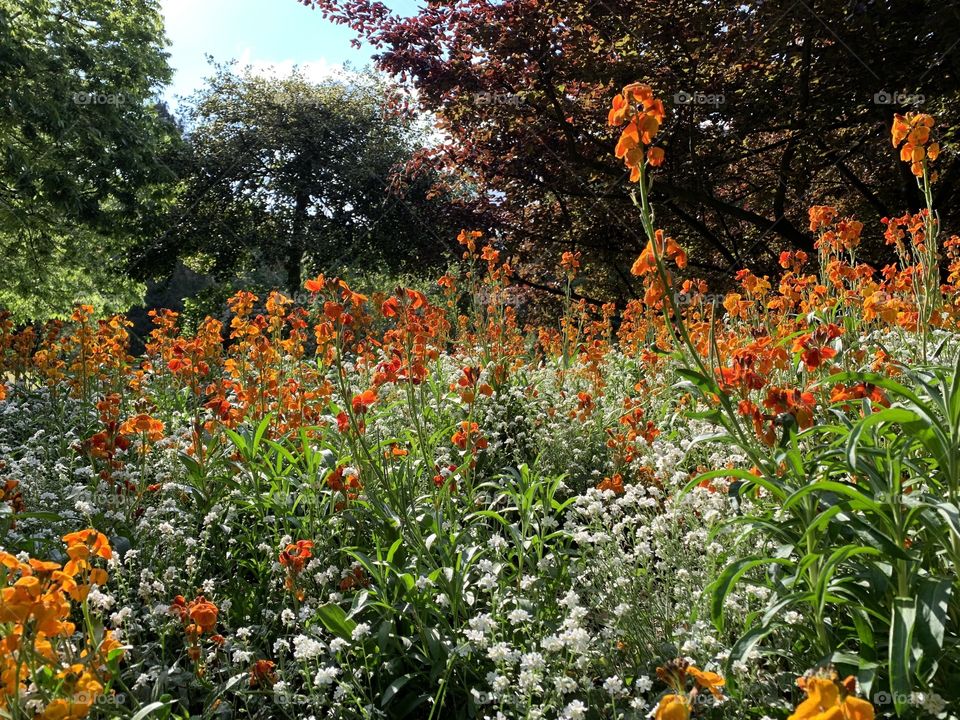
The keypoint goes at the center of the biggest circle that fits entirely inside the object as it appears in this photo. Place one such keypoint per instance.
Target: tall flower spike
(914, 129)
(636, 106)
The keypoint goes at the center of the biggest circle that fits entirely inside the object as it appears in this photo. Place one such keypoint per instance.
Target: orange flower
(262, 674)
(469, 433)
(677, 704)
(859, 391)
(570, 262)
(468, 238)
(363, 402)
(316, 285)
(84, 545)
(793, 402)
(821, 216)
(672, 707)
(295, 555)
(618, 111)
(708, 680)
(199, 615)
(914, 128)
(143, 425)
(829, 699)
(813, 346)
(667, 248)
(615, 484)
(204, 614)
(643, 122)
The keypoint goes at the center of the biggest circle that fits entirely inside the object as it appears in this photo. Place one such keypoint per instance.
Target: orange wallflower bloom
(913, 130)
(295, 555)
(144, 426)
(363, 402)
(262, 674)
(829, 699)
(643, 114)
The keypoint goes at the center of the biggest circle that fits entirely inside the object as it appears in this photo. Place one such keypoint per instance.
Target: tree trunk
(293, 266)
(297, 243)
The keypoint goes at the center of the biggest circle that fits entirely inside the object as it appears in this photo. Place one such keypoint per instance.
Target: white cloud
(313, 70)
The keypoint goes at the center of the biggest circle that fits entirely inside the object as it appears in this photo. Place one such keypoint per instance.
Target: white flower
(565, 684)
(613, 686)
(121, 616)
(487, 582)
(934, 704)
(574, 711)
(338, 644)
(551, 643)
(518, 616)
(499, 683)
(360, 631)
(643, 683)
(100, 600)
(306, 648)
(532, 661)
(501, 652)
(325, 676)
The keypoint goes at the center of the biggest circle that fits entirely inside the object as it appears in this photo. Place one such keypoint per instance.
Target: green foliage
(862, 520)
(81, 140)
(295, 177)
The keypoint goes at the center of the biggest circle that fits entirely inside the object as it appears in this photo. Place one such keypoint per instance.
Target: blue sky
(262, 33)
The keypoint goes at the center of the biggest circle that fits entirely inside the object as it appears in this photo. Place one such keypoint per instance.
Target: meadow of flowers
(410, 505)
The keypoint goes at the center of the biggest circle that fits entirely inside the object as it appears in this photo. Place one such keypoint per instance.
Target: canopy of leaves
(772, 107)
(299, 176)
(80, 144)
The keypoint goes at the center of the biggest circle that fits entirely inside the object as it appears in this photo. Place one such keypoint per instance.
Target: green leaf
(859, 499)
(336, 621)
(728, 579)
(934, 602)
(901, 644)
(148, 709)
(746, 643)
(394, 687)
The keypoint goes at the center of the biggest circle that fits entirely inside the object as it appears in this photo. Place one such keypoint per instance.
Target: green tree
(299, 177)
(81, 140)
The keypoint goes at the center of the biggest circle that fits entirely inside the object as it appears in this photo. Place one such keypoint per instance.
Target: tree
(771, 107)
(297, 175)
(81, 140)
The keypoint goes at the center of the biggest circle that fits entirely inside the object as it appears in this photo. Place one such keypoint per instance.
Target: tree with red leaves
(771, 107)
